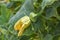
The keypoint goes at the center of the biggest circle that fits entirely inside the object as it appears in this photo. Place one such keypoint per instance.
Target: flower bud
(22, 24)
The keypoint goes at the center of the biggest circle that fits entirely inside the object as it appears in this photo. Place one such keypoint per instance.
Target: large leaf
(5, 14)
(26, 8)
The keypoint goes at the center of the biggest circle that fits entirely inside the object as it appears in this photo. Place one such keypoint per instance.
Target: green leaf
(3, 31)
(56, 4)
(48, 37)
(28, 31)
(51, 12)
(26, 8)
(47, 2)
(5, 14)
(33, 16)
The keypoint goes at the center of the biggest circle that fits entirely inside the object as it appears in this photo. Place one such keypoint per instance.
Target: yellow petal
(21, 31)
(22, 24)
(18, 25)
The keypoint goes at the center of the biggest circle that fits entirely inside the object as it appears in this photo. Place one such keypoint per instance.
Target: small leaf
(33, 16)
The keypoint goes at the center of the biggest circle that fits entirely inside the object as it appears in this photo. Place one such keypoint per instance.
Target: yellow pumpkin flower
(22, 24)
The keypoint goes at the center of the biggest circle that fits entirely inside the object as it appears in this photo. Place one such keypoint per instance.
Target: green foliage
(44, 15)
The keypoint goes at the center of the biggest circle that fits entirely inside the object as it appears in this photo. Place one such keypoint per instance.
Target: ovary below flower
(22, 24)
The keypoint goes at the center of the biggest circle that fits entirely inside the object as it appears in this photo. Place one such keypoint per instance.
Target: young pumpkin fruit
(22, 24)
